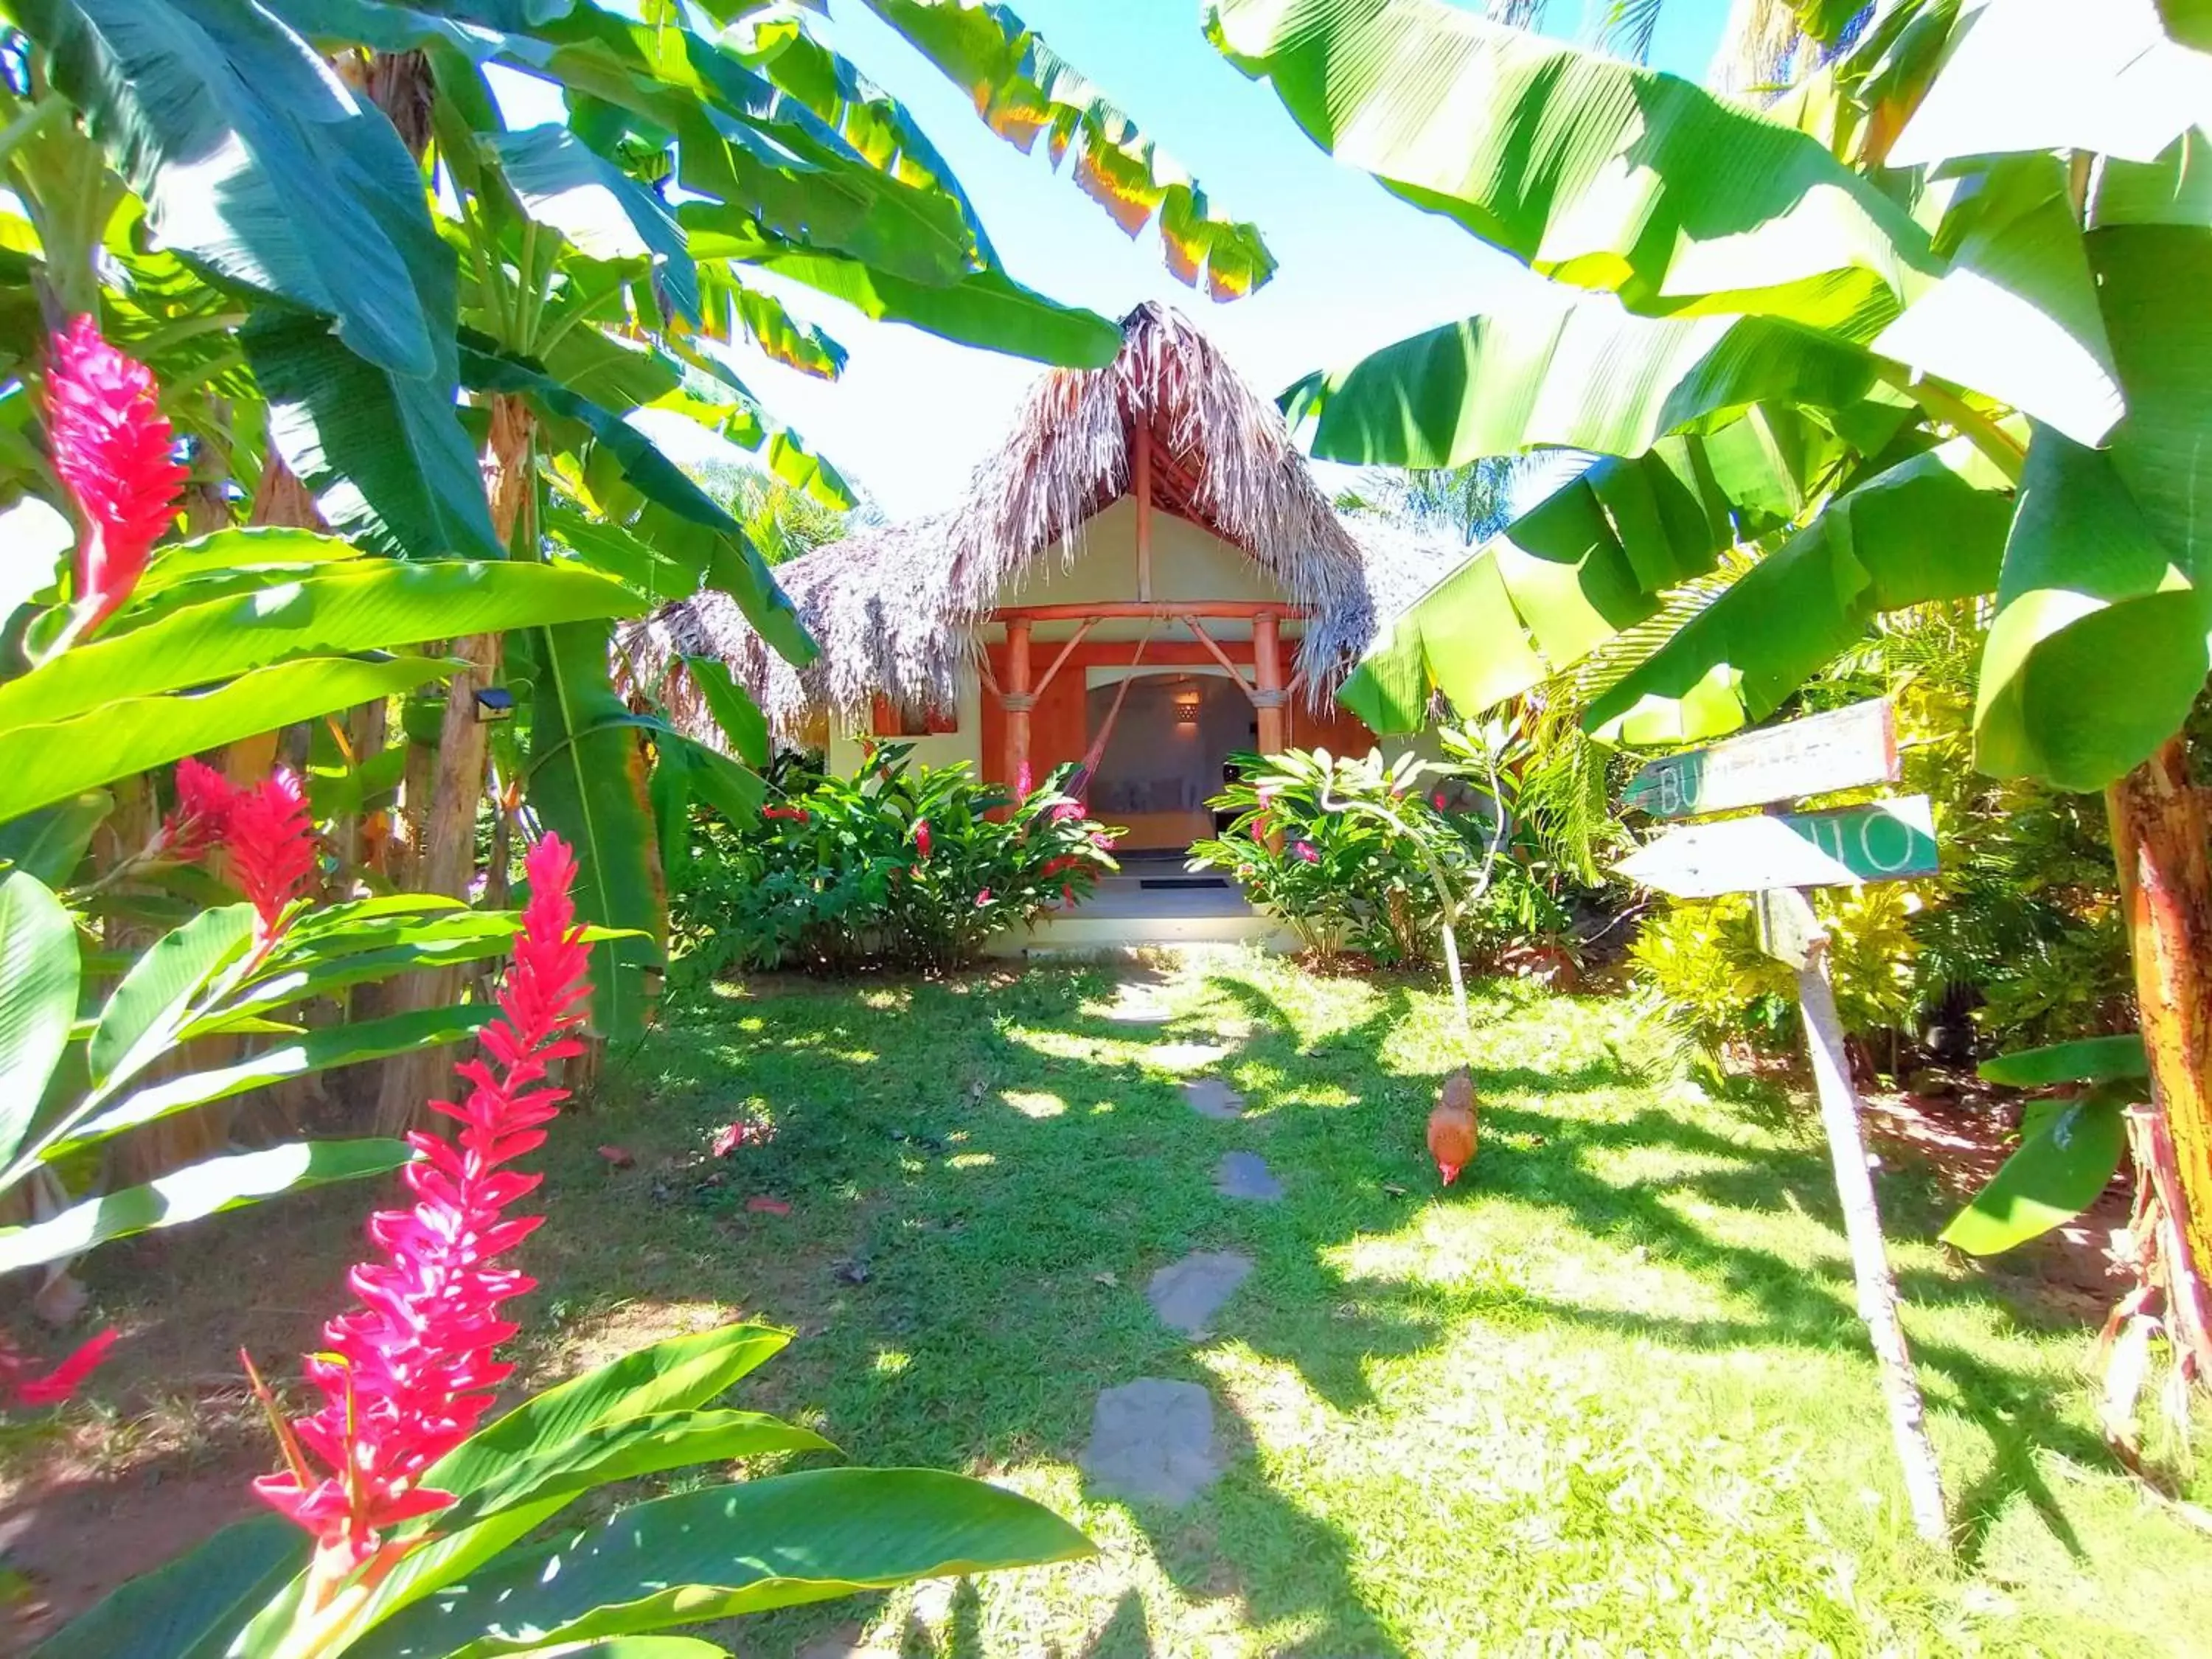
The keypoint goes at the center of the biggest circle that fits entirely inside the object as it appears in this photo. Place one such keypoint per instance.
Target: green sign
(1887, 841)
(1816, 756)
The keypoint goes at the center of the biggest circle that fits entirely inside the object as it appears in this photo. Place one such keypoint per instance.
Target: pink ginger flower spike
(410, 1372)
(113, 450)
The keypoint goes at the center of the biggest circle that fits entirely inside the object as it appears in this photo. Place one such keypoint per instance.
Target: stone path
(1209, 1096)
(1190, 1293)
(1138, 1002)
(1186, 1056)
(1154, 1440)
(1245, 1175)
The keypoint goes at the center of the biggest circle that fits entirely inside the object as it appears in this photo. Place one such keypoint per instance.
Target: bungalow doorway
(1167, 752)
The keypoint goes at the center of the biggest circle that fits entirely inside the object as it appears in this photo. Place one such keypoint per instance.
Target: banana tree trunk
(446, 855)
(2162, 842)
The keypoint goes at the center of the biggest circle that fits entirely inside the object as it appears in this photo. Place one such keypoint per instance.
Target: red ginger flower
(409, 1374)
(202, 813)
(265, 829)
(19, 1387)
(921, 835)
(111, 449)
(271, 843)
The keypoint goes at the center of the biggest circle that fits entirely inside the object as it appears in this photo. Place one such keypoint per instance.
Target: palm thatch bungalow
(1145, 578)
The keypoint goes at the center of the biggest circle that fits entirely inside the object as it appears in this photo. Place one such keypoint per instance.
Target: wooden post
(2160, 836)
(1269, 699)
(1143, 439)
(1877, 1291)
(1776, 857)
(1017, 700)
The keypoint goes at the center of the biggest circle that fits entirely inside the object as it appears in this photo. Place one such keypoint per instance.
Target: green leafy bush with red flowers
(1347, 852)
(902, 866)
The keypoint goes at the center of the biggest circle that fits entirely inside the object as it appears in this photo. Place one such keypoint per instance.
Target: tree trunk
(2161, 832)
(1877, 1289)
(445, 856)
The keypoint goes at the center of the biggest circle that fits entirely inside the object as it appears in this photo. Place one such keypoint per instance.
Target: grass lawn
(1606, 1396)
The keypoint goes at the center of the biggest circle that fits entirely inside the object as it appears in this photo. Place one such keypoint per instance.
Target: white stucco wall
(942, 748)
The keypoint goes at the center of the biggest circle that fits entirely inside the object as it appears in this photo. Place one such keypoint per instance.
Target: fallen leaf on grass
(620, 1157)
(765, 1205)
(1393, 1189)
(1105, 1279)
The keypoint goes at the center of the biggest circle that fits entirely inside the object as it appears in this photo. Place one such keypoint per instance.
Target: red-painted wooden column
(1269, 698)
(1017, 700)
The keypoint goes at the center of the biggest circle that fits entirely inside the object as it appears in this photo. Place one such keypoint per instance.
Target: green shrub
(1702, 960)
(1347, 852)
(901, 867)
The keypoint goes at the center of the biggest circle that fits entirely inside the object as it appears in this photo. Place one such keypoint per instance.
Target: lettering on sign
(1845, 750)
(1887, 841)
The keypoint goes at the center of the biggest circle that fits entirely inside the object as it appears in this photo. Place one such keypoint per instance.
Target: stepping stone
(1187, 1293)
(1154, 1440)
(1185, 1056)
(1209, 1096)
(1244, 1175)
(1138, 1004)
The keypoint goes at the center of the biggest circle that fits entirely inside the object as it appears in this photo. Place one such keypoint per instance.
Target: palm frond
(1626, 28)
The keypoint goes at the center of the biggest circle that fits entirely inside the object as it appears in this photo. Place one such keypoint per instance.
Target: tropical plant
(402, 1528)
(1470, 504)
(251, 975)
(1372, 855)
(781, 519)
(149, 653)
(1921, 328)
(902, 864)
(1703, 961)
(2023, 923)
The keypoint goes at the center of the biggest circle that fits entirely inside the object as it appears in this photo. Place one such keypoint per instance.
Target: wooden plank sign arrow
(1887, 841)
(1844, 750)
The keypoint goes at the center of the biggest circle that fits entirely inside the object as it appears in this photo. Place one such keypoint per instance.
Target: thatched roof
(897, 609)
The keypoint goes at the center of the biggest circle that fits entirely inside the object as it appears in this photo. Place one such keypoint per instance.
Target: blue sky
(913, 414)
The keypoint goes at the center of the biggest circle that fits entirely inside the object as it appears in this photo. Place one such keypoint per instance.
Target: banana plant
(1922, 327)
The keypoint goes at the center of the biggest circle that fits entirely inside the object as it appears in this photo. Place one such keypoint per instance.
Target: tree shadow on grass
(1138, 1190)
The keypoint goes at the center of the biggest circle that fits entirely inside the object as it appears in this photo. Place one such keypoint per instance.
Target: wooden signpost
(1776, 857)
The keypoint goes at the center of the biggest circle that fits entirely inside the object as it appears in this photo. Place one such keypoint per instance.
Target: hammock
(1078, 781)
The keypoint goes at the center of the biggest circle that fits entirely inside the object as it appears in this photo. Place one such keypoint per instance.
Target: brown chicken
(1451, 1126)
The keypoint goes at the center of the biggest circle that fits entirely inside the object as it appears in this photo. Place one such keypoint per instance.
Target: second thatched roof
(897, 610)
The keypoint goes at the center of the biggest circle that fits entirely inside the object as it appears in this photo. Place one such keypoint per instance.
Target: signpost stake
(1776, 857)
(1877, 1290)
